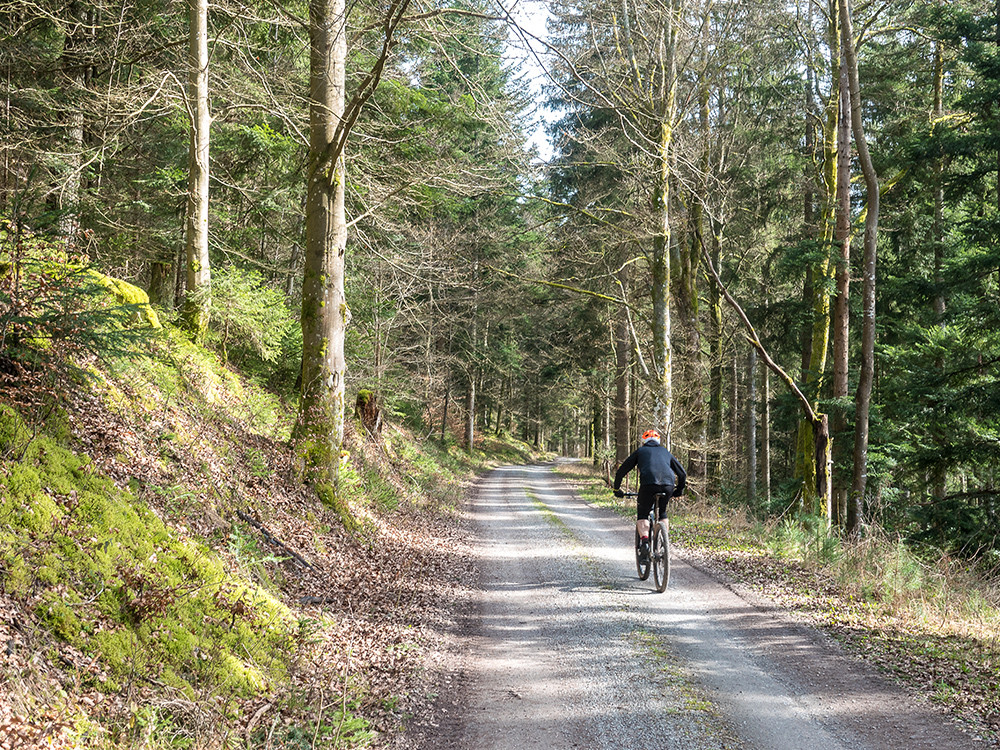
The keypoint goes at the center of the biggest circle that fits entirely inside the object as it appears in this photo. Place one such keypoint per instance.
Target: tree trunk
(841, 308)
(596, 428)
(765, 434)
(812, 502)
(694, 365)
(158, 277)
(623, 351)
(75, 72)
(751, 435)
(660, 257)
(662, 387)
(715, 377)
(470, 413)
(736, 435)
(444, 411)
(867, 364)
(199, 279)
(940, 471)
(320, 428)
(808, 211)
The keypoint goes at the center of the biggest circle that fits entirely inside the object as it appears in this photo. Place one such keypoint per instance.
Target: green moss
(171, 679)
(234, 675)
(128, 294)
(61, 618)
(14, 435)
(121, 651)
(177, 642)
(21, 481)
(17, 575)
(48, 574)
(62, 469)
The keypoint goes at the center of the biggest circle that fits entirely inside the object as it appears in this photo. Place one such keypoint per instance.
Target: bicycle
(658, 558)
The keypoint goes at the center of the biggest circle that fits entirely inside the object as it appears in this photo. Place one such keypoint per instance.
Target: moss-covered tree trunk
(199, 277)
(320, 428)
(812, 475)
(841, 308)
(818, 423)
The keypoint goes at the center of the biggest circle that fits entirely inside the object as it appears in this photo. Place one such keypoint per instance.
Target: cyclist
(659, 474)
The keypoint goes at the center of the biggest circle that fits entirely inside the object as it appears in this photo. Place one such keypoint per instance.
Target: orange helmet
(650, 435)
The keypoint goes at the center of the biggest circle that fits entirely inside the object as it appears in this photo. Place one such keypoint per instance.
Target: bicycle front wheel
(660, 555)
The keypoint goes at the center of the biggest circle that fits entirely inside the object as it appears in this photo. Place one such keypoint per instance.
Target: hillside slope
(167, 581)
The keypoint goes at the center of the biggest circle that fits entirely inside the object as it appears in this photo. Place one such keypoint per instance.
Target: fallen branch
(271, 539)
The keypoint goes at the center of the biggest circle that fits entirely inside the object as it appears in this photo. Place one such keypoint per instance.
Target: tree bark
(74, 76)
(765, 434)
(470, 413)
(694, 365)
(715, 376)
(199, 279)
(660, 257)
(867, 364)
(325, 315)
(940, 472)
(841, 308)
(736, 435)
(822, 275)
(444, 411)
(623, 350)
(660, 270)
(751, 435)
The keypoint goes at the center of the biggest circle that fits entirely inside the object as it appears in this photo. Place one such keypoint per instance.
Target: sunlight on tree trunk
(199, 279)
(320, 427)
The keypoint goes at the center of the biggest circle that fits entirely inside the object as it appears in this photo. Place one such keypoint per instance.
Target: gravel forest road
(566, 648)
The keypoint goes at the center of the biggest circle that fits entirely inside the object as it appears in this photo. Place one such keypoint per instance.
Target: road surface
(566, 648)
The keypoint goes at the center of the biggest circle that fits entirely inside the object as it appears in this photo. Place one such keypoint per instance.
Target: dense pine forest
(770, 230)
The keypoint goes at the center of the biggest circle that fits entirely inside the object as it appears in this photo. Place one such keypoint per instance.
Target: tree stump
(366, 409)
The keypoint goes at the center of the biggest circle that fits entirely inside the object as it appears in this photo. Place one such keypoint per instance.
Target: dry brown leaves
(374, 606)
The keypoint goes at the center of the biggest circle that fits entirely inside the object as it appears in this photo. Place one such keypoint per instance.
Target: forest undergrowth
(929, 621)
(167, 581)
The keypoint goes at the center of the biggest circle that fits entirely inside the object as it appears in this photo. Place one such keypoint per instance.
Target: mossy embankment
(167, 581)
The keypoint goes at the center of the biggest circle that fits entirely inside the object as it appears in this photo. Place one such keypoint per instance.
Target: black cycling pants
(646, 496)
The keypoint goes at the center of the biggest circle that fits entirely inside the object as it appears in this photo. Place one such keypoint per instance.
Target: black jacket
(656, 465)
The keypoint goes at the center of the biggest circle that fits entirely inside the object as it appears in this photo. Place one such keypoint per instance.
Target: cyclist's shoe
(644, 549)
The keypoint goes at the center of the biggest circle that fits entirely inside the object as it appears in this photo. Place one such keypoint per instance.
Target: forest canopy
(771, 230)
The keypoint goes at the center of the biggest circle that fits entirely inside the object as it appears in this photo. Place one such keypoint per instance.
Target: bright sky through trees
(524, 51)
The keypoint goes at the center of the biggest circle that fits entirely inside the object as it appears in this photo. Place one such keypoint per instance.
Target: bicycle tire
(659, 554)
(641, 566)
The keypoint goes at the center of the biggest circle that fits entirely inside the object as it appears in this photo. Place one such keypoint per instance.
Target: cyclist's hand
(619, 493)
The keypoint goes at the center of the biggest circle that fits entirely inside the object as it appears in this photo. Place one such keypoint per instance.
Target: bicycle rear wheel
(660, 555)
(641, 565)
